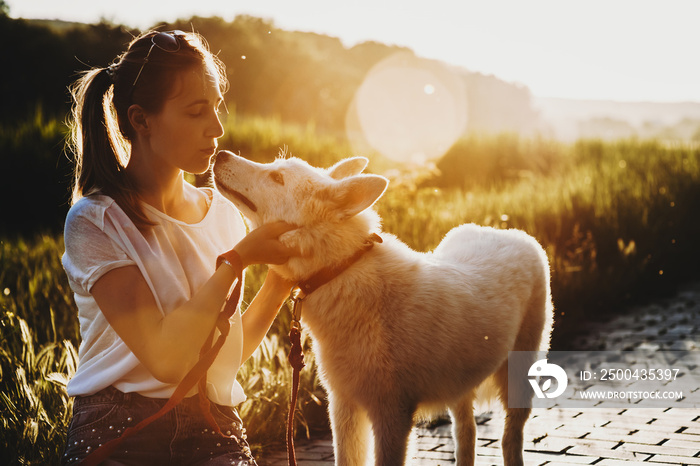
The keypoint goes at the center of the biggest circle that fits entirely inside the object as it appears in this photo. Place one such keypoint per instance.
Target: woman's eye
(277, 178)
(197, 110)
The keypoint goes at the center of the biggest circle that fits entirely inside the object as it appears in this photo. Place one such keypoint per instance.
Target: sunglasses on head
(166, 41)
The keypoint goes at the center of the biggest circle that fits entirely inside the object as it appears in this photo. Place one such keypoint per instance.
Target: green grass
(34, 407)
(618, 221)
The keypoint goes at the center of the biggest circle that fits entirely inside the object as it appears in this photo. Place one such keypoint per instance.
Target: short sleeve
(90, 252)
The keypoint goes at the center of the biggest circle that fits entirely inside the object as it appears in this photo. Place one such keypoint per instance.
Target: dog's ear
(354, 194)
(348, 167)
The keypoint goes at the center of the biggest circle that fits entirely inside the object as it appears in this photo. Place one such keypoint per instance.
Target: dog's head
(324, 203)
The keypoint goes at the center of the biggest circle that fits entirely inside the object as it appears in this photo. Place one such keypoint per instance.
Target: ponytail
(100, 152)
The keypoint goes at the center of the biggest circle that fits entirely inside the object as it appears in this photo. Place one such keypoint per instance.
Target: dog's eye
(277, 178)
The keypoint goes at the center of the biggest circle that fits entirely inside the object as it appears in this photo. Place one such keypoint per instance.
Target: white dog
(400, 330)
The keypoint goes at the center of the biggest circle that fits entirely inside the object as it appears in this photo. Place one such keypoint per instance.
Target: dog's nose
(222, 156)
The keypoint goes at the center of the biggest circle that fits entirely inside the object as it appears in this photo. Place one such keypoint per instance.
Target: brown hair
(100, 127)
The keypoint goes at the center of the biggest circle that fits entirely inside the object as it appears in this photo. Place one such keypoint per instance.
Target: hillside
(571, 119)
(298, 77)
(308, 78)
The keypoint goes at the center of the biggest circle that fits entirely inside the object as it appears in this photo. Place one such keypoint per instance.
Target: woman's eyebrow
(198, 102)
(204, 102)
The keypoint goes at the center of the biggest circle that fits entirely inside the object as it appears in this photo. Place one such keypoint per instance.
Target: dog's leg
(513, 436)
(521, 396)
(518, 391)
(392, 427)
(351, 434)
(512, 442)
(464, 430)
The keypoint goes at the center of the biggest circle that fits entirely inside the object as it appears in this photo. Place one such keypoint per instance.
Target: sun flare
(409, 109)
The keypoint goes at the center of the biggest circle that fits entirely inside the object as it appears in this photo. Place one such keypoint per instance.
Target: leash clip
(297, 296)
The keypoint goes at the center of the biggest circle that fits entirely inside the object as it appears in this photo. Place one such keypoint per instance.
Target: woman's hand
(262, 245)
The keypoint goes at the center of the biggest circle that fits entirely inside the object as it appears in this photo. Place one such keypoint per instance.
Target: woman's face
(184, 133)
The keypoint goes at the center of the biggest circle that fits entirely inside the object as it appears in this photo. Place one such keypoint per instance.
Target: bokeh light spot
(409, 109)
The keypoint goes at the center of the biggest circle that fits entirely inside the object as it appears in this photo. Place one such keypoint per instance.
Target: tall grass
(617, 220)
(34, 407)
(38, 337)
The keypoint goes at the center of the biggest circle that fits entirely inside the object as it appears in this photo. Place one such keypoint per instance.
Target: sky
(623, 50)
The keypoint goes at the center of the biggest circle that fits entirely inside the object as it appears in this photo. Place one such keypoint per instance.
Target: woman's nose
(216, 129)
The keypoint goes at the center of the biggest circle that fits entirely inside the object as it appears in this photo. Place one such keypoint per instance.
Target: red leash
(296, 354)
(296, 360)
(198, 374)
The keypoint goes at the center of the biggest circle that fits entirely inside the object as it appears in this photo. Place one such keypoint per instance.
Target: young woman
(141, 249)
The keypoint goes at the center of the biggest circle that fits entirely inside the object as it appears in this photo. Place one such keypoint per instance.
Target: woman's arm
(262, 311)
(169, 345)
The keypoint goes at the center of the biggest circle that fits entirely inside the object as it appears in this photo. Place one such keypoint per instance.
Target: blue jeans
(180, 437)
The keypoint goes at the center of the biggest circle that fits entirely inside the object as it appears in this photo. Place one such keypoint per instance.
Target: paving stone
(656, 449)
(550, 445)
(544, 458)
(613, 462)
(600, 448)
(624, 435)
(689, 443)
(443, 447)
(673, 459)
(487, 462)
(436, 455)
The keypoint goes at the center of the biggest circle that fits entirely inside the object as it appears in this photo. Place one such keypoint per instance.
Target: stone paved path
(571, 436)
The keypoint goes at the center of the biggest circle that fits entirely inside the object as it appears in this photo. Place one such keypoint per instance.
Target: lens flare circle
(409, 109)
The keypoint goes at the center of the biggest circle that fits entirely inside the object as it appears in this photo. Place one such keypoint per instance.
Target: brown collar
(327, 274)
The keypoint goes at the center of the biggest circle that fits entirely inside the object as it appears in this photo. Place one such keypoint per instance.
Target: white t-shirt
(176, 259)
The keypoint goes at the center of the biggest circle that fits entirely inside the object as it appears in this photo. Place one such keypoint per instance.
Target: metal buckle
(297, 296)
